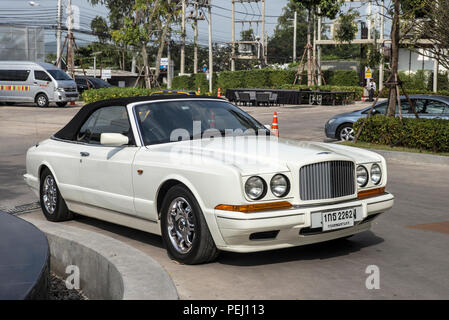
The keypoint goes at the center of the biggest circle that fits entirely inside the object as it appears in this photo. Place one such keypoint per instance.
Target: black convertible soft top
(70, 131)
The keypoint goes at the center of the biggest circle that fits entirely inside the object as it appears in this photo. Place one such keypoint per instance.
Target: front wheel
(42, 100)
(52, 204)
(346, 132)
(184, 229)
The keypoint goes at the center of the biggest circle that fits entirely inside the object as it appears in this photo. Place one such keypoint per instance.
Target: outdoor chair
(273, 98)
(245, 98)
(237, 97)
(263, 98)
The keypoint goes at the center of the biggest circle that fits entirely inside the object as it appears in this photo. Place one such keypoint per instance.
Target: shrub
(183, 83)
(342, 78)
(423, 134)
(410, 92)
(281, 77)
(94, 95)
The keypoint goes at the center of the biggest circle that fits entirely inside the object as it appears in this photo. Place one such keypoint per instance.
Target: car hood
(66, 84)
(259, 155)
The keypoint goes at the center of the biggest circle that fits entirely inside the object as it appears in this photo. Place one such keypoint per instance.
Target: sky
(45, 13)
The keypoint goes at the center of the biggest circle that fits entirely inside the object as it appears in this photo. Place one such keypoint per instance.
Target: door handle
(84, 154)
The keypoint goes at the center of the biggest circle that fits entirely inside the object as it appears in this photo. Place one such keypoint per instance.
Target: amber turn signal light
(255, 207)
(371, 193)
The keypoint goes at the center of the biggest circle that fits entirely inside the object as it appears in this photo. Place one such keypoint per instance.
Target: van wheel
(42, 100)
(184, 229)
(61, 104)
(52, 204)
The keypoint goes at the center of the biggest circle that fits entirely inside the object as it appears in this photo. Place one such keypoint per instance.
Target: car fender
(208, 213)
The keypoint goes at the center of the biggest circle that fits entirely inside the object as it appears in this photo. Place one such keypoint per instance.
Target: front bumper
(330, 130)
(294, 225)
(66, 96)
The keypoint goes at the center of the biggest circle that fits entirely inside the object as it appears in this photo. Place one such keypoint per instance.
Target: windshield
(163, 122)
(59, 74)
(100, 83)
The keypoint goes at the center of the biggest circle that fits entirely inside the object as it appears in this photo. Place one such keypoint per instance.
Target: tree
(280, 45)
(324, 8)
(118, 10)
(430, 21)
(100, 28)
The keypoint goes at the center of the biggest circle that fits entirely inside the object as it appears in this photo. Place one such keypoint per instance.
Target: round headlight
(362, 176)
(279, 185)
(376, 174)
(255, 188)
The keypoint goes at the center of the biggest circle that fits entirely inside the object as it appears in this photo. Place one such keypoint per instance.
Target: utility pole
(169, 75)
(382, 31)
(59, 34)
(195, 40)
(211, 62)
(318, 47)
(233, 37)
(264, 39)
(295, 24)
(183, 38)
(70, 52)
(246, 48)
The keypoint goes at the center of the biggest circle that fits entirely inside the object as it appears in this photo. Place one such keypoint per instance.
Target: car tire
(52, 204)
(345, 132)
(180, 211)
(61, 104)
(42, 100)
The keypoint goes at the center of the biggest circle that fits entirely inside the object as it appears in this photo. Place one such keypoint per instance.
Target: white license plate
(343, 218)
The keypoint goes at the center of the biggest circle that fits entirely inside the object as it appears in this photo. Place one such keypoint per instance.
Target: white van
(41, 83)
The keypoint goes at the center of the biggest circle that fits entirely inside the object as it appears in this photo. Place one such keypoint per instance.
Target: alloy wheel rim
(42, 101)
(181, 225)
(50, 194)
(347, 134)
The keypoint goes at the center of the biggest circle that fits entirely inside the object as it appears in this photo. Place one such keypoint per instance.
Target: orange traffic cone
(72, 103)
(199, 90)
(275, 126)
(219, 93)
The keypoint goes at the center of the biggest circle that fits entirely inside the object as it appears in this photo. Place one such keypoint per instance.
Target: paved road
(413, 262)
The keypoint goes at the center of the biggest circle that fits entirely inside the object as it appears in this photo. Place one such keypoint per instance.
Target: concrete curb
(413, 157)
(109, 269)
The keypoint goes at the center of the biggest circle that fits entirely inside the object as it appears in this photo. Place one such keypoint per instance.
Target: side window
(41, 75)
(380, 109)
(105, 120)
(435, 107)
(420, 106)
(14, 75)
(405, 107)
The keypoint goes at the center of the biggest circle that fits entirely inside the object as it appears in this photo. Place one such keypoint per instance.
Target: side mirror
(113, 139)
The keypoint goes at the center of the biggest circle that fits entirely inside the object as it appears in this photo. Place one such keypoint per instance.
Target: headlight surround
(331, 121)
(280, 185)
(376, 174)
(255, 188)
(362, 176)
(60, 89)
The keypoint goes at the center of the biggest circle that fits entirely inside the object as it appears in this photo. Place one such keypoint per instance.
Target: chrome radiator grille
(326, 180)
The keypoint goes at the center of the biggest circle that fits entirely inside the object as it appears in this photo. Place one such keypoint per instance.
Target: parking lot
(412, 258)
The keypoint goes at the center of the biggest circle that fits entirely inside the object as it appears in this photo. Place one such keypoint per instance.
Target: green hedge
(267, 78)
(423, 134)
(422, 91)
(93, 95)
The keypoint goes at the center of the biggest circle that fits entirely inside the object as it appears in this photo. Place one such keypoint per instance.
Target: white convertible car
(206, 176)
